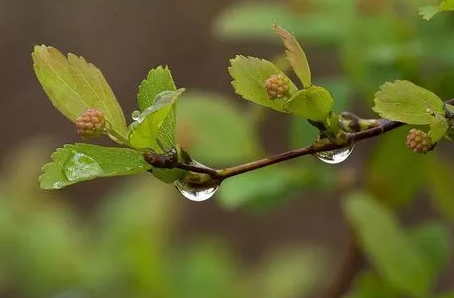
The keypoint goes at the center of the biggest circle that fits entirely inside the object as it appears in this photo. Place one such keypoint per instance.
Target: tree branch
(375, 127)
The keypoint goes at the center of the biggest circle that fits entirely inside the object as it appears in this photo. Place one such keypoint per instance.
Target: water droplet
(335, 156)
(81, 167)
(135, 115)
(196, 191)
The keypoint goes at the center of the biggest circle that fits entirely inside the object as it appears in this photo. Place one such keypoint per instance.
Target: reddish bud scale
(418, 141)
(277, 86)
(90, 124)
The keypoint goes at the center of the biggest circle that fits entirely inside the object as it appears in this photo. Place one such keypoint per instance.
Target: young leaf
(74, 85)
(313, 103)
(80, 162)
(296, 56)
(438, 128)
(406, 102)
(158, 80)
(388, 247)
(430, 11)
(250, 75)
(148, 130)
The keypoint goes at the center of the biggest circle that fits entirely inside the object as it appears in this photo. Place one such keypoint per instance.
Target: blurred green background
(279, 232)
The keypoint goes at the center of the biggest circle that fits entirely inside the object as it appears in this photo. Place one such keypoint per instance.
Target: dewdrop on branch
(90, 124)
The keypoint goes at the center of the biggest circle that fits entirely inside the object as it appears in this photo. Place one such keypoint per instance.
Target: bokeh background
(279, 232)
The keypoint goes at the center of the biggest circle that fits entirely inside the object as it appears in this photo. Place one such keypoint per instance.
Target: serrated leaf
(148, 130)
(158, 80)
(387, 246)
(406, 102)
(429, 11)
(438, 128)
(250, 74)
(80, 162)
(296, 56)
(434, 240)
(313, 103)
(74, 85)
(221, 134)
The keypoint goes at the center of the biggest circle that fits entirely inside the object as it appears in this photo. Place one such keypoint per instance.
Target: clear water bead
(135, 115)
(335, 156)
(193, 191)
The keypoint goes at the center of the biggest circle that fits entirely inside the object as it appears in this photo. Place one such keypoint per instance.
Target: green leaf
(148, 130)
(80, 162)
(406, 102)
(369, 285)
(296, 56)
(313, 103)
(387, 246)
(249, 76)
(214, 130)
(158, 80)
(434, 240)
(429, 11)
(438, 128)
(74, 85)
(340, 88)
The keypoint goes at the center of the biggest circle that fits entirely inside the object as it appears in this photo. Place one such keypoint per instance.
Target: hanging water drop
(335, 156)
(195, 193)
(135, 115)
(194, 190)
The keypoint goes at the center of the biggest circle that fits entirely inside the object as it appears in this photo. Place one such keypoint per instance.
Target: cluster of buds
(90, 124)
(277, 86)
(418, 141)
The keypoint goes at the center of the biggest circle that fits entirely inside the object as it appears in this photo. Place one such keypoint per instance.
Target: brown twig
(383, 126)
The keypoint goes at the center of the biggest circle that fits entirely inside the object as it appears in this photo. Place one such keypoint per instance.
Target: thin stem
(384, 126)
(198, 169)
(377, 127)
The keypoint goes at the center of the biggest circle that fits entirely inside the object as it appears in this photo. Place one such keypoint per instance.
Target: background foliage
(129, 245)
